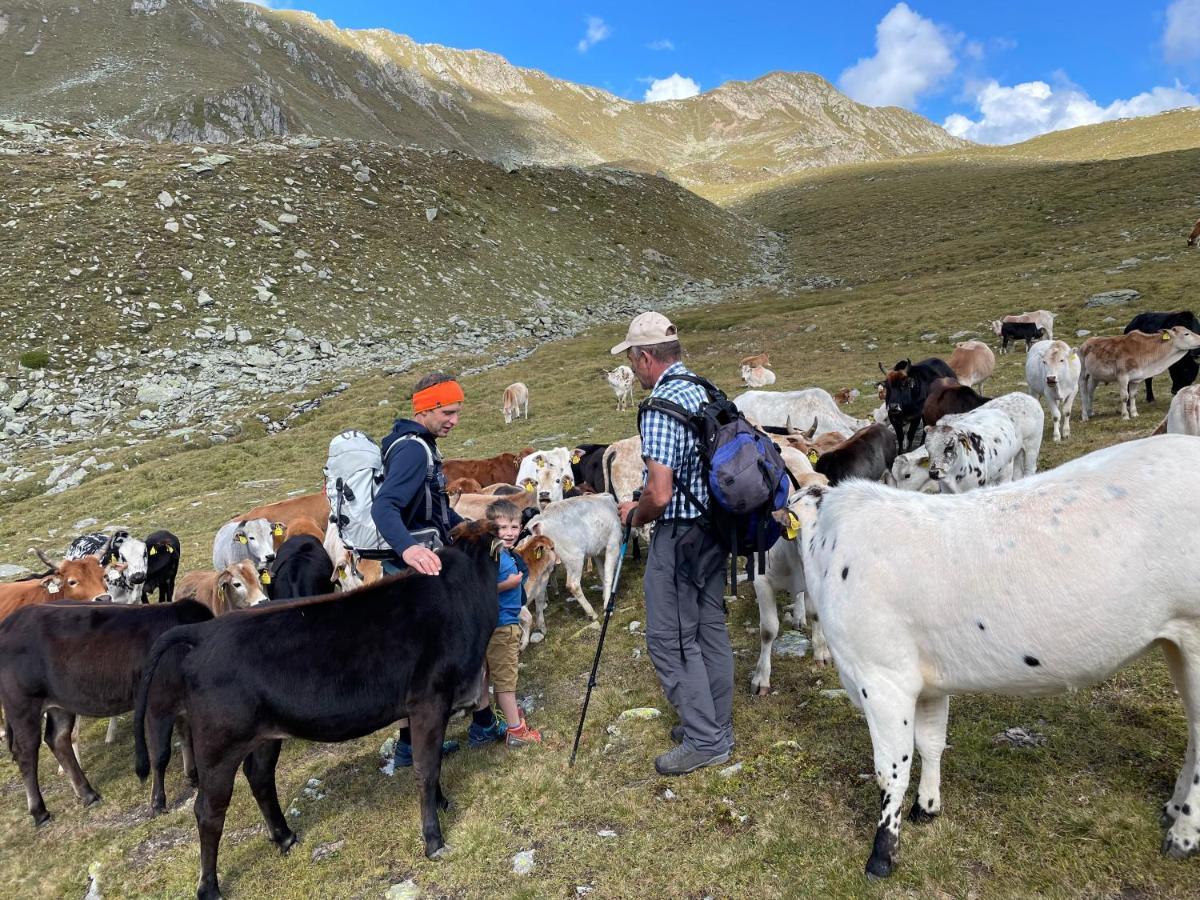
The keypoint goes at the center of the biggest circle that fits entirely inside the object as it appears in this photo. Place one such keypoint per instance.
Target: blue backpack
(746, 477)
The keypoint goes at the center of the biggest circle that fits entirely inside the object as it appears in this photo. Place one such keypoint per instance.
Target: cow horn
(43, 557)
(881, 368)
(811, 433)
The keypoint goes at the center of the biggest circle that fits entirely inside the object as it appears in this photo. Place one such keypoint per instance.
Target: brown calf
(948, 397)
(538, 553)
(313, 506)
(72, 579)
(1128, 359)
(234, 587)
(973, 362)
(759, 359)
(463, 486)
(501, 468)
(474, 506)
(305, 525)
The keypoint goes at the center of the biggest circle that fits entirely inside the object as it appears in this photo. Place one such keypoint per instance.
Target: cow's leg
(218, 767)
(24, 722)
(1123, 393)
(820, 648)
(427, 720)
(259, 768)
(1149, 390)
(111, 734)
(1088, 392)
(912, 432)
(932, 713)
(159, 728)
(58, 738)
(1056, 416)
(1187, 773)
(1132, 390)
(1183, 837)
(890, 713)
(768, 630)
(186, 756)
(1067, 403)
(539, 607)
(574, 567)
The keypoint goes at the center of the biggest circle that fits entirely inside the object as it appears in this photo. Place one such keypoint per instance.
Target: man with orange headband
(411, 510)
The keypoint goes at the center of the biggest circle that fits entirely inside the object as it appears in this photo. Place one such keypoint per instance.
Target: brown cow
(948, 397)
(973, 363)
(474, 506)
(1128, 359)
(538, 553)
(234, 587)
(71, 579)
(500, 490)
(463, 486)
(846, 396)
(501, 468)
(305, 525)
(758, 359)
(314, 506)
(1195, 235)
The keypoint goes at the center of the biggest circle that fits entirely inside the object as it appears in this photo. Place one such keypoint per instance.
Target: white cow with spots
(977, 450)
(1052, 373)
(1053, 584)
(581, 527)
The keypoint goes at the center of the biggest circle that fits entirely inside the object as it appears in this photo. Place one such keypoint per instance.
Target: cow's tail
(609, 487)
(182, 634)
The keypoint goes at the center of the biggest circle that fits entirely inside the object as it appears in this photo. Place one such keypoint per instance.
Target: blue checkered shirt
(668, 441)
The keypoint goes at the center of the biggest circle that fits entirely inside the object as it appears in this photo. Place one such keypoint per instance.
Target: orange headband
(442, 394)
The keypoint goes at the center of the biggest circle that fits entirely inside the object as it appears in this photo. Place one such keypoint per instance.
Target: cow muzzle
(102, 598)
(934, 474)
(137, 578)
(894, 408)
(544, 497)
(1051, 380)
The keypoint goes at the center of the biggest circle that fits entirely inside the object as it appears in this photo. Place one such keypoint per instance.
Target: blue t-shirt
(510, 600)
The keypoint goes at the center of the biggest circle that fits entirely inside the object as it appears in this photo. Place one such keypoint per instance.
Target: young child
(503, 648)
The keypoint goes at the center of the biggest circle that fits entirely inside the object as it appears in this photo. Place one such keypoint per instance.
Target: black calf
(162, 565)
(408, 645)
(301, 568)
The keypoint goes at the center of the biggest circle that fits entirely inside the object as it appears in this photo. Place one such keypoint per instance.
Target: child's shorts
(502, 652)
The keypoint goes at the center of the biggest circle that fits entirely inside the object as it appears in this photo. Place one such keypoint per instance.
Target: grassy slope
(925, 249)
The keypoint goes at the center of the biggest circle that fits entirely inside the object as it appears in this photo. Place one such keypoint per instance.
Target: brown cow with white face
(234, 587)
(71, 579)
(1128, 359)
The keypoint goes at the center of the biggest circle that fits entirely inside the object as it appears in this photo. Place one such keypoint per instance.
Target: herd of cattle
(233, 686)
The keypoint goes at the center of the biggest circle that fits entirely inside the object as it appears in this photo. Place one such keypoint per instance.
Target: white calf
(240, 539)
(782, 409)
(1030, 421)
(757, 376)
(581, 527)
(547, 474)
(1184, 415)
(1052, 372)
(978, 449)
(621, 381)
(516, 402)
(910, 472)
(1052, 584)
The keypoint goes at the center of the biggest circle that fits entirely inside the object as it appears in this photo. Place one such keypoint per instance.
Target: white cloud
(664, 44)
(597, 31)
(1018, 112)
(913, 56)
(675, 87)
(1181, 37)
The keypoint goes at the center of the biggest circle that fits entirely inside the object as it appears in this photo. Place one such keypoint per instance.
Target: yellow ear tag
(242, 539)
(813, 456)
(170, 549)
(1166, 335)
(529, 486)
(278, 529)
(539, 553)
(153, 551)
(112, 559)
(792, 529)
(1074, 356)
(575, 458)
(540, 462)
(341, 570)
(266, 578)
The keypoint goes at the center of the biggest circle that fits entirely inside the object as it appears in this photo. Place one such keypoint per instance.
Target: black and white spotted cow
(124, 558)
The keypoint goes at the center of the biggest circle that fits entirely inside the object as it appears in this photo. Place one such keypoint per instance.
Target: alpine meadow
(229, 233)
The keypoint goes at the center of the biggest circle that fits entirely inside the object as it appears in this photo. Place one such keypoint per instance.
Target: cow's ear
(1166, 335)
(923, 463)
(278, 529)
(153, 551)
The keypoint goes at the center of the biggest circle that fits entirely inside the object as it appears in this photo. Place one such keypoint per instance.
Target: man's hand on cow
(625, 511)
(422, 559)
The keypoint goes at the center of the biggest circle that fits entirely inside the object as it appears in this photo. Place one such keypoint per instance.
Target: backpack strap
(430, 467)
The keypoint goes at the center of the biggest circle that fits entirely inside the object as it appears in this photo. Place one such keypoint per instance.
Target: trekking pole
(608, 611)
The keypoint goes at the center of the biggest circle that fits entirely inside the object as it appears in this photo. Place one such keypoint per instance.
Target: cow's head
(1181, 338)
(803, 506)
(901, 392)
(77, 579)
(127, 562)
(238, 586)
(997, 327)
(910, 471)
(1058, 361)
(549, 477)
(950, 451)
(257, 536)
(477, 536)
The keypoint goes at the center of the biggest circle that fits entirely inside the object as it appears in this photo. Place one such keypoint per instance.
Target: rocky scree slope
(219, 70)
(169, 285)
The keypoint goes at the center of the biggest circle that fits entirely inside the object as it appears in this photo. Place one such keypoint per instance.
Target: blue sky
(990, 71)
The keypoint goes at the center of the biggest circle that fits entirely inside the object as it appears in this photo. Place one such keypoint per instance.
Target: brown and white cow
(973, 363)
(234, 587)
(1128, 359)
(758, 359)
(71, 579)
(516, 402)
(1195, 235)
(1043, 318)
(537, 551)
(502, 468)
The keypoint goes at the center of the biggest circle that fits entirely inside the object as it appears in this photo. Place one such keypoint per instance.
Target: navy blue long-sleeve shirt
(400, 507)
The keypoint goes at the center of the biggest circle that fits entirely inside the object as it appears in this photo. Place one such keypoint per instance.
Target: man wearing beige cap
(685, 608)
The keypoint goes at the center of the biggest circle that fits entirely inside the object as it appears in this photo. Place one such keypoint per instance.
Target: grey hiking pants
(687, 638)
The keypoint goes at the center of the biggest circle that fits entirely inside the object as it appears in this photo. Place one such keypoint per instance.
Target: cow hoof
(444, 804)
(878, 869)
(537, 637)
(90, 799)
(157, 809)
(42, 819)
(440, 853)
(762, 690)
(919, 816)
(288, 843)
(1166, 818)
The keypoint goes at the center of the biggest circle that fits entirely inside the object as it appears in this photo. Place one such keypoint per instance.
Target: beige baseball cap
(646, 329)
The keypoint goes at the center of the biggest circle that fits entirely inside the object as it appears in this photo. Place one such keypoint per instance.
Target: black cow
(406, 646)
(867, 453)
(301, 568)
(587, 466)
(162, 565)
(70, 659)
(1185, 370)
(905, 389)
(1019, 331)
(948, 397)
